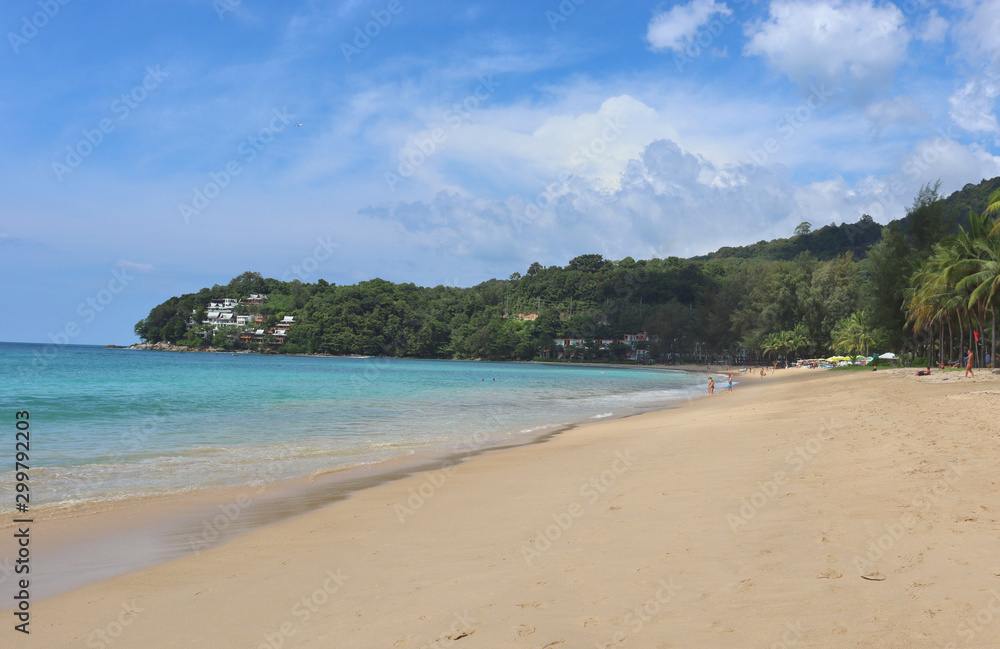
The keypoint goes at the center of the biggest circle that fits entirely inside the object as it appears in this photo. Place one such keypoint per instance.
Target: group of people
(968, 365)
(711, 384)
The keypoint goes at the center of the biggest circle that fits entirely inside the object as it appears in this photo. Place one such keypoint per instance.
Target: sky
(151, 148)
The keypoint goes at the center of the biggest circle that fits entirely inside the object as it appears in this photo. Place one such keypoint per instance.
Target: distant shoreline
(167, 347)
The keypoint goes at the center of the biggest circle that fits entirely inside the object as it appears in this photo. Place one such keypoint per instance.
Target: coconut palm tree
(983, 284)
(992, 210)
(799, 339)
(853, 335)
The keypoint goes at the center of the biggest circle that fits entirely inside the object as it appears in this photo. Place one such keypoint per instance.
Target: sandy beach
(806, 509)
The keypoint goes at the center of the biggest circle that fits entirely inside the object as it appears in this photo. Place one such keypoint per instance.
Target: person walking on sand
(730, 388)
(711, 386)
(968, 364)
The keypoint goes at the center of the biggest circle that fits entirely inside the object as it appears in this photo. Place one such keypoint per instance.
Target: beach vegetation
(920, 286)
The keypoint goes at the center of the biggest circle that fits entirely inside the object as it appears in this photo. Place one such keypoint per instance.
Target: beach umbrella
(888, 356)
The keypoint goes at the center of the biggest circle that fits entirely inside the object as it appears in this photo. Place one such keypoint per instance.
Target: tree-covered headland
(920, 285)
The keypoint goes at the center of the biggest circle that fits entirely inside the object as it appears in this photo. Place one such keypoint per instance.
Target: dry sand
(807, 509)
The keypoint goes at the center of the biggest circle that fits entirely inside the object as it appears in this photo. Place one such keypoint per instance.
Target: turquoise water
(115, 423)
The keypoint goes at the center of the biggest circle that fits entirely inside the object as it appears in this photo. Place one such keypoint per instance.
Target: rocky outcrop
(168, 347)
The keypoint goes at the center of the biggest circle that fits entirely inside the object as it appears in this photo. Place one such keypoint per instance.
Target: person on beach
(968, 364)
(711, 386)
(730, 388)
(926, 372)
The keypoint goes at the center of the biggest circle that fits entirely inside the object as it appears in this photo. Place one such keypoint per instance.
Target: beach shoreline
(557, 542)
(94, 540)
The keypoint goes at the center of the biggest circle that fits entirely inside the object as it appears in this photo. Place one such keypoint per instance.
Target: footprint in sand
(402, 642)
(525, 630)
(590, 621)
(536, 604)
(537, 586)
(830, 573)
(554, 644)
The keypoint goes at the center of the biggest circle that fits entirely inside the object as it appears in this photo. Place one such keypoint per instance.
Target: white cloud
(850, 43)
(972, 105)
(669, 202)
(595, 145)
(978, 35)
(954, 163)
(901, 110)
(934, 29)
(674, 29)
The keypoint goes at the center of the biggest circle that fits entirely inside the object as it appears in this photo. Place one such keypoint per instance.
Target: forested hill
(828, 242)
(806, 294)
(831, 241)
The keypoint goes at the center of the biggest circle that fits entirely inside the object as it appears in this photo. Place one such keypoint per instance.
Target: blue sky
(150, 148)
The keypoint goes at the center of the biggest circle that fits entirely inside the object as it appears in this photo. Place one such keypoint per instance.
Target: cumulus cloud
(846, 43)
(675, 28)
(595, 145)
(669, 202)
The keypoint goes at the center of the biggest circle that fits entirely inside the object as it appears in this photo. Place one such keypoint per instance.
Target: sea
(110, 424)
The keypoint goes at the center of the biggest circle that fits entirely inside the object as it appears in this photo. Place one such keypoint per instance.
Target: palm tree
(853, 335)
(960, 282)
(993, 209)
(772, 344)
(983, 283)
(799, 339)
